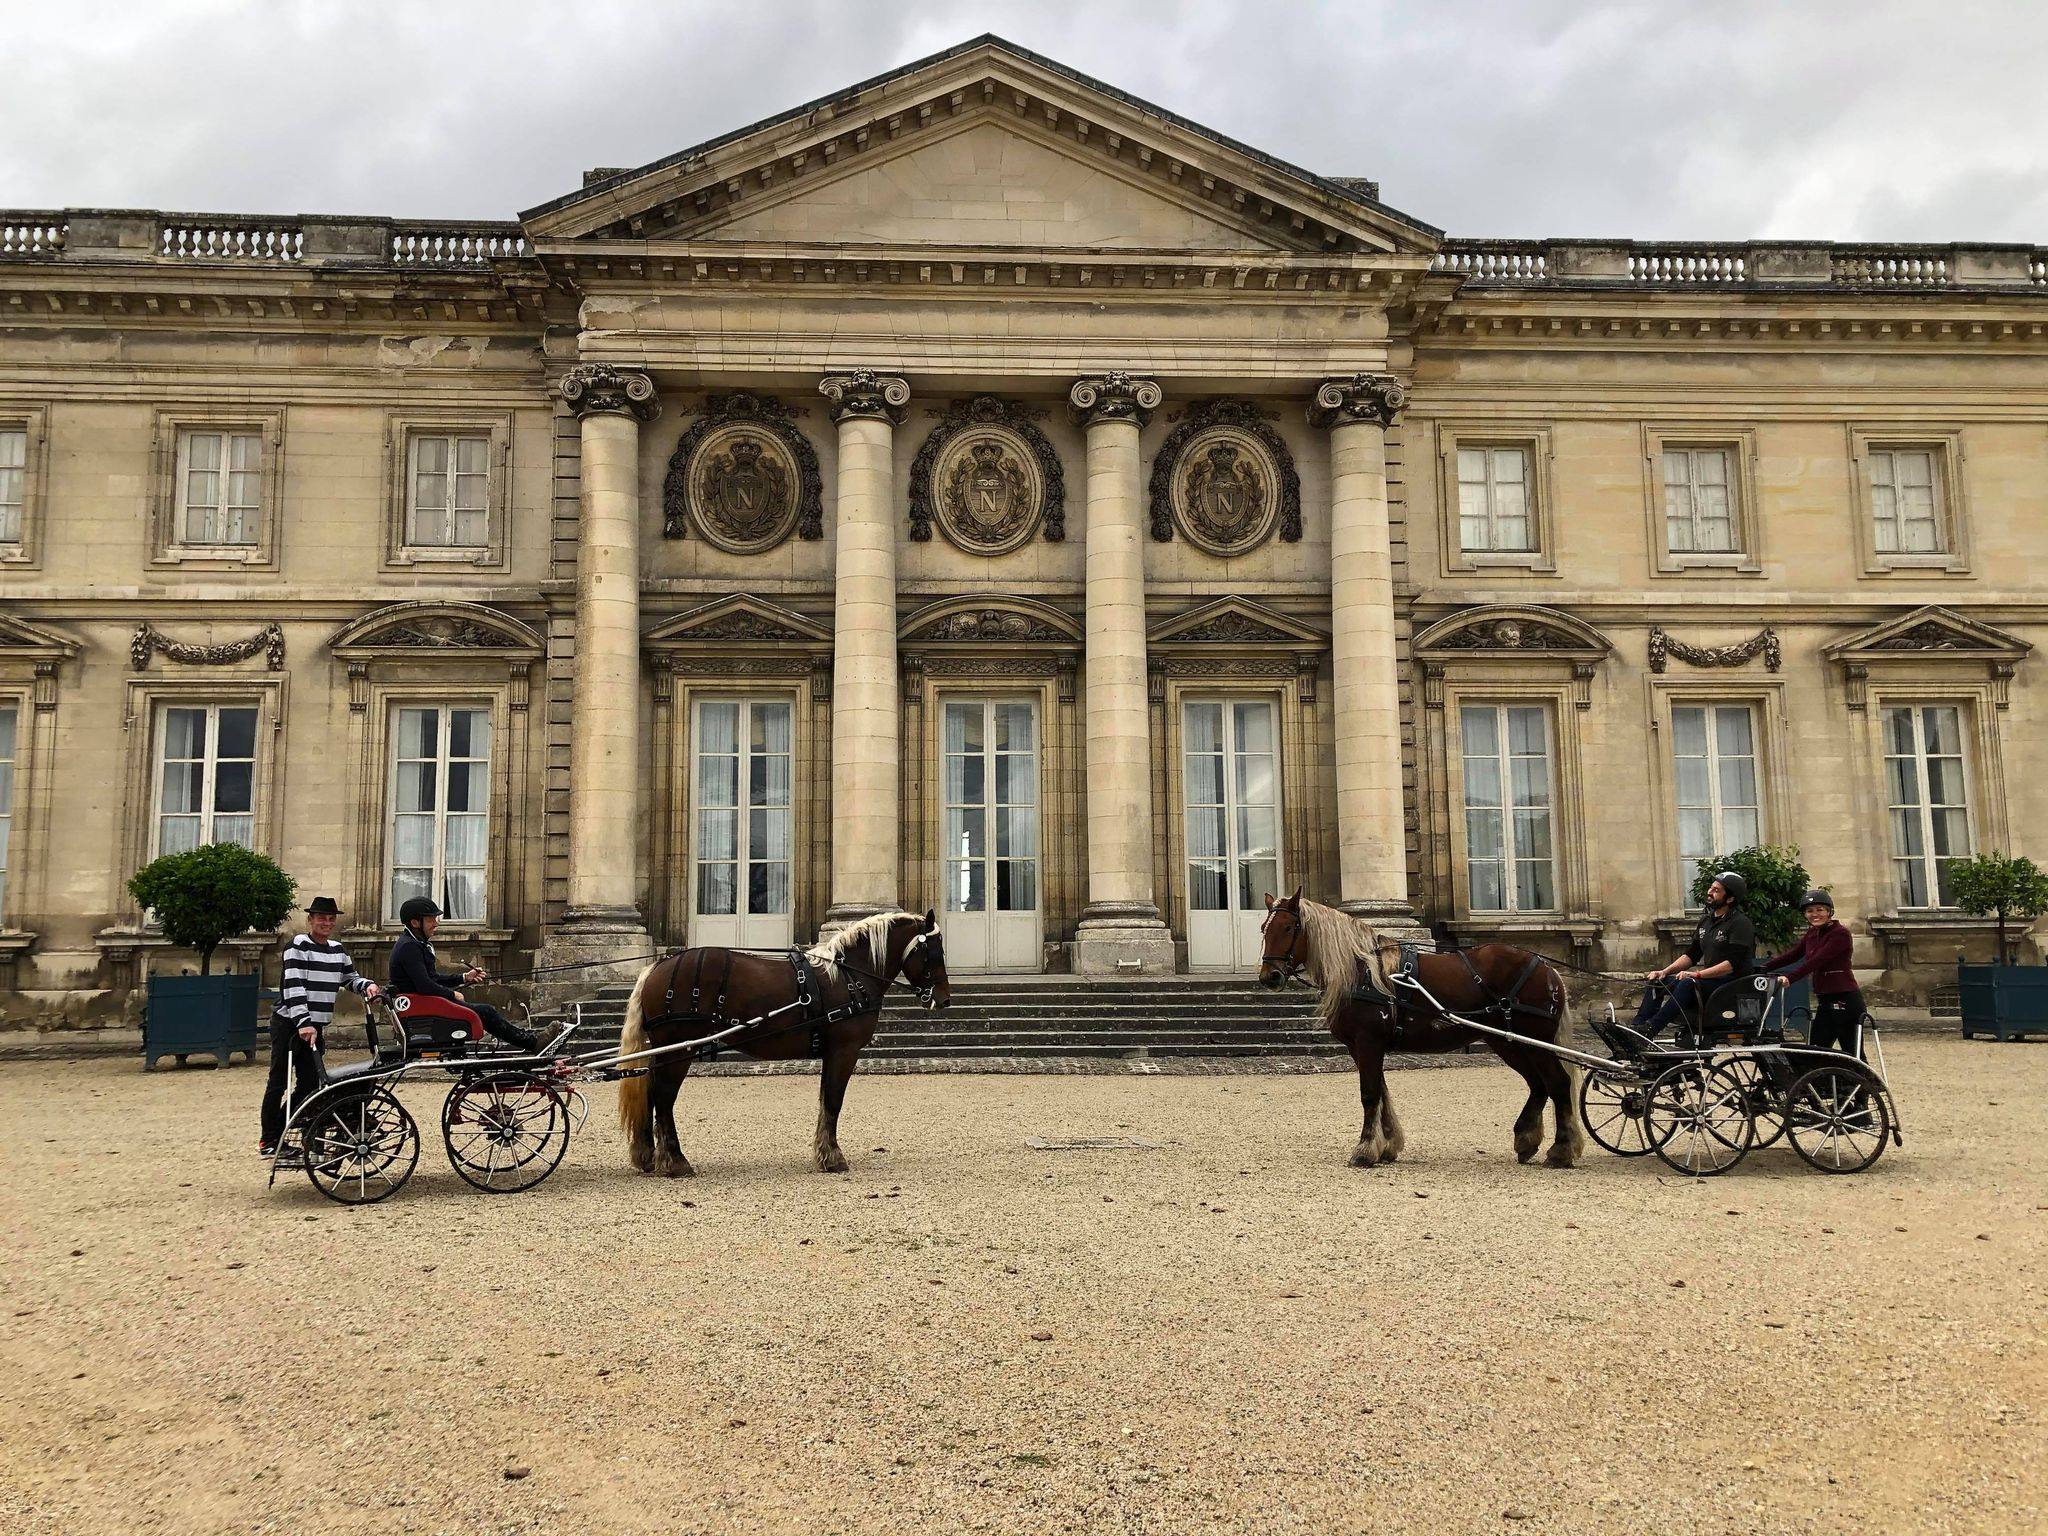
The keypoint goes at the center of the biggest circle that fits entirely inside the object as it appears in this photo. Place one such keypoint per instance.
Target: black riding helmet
(1733, 884)
(1816, 898)
(415, 909)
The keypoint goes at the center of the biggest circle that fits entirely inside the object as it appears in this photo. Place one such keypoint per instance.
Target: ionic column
(865, 744)
(1120, 929)
(605, 829)
(1372, 843)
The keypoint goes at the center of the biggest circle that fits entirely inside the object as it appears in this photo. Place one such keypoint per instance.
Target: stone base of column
(1122, 938)
(602, 943)
(843, 915)
(1394, 921)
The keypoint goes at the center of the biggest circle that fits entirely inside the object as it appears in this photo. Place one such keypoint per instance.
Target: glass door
(989, 859)
(1231, 784)
(741, 817)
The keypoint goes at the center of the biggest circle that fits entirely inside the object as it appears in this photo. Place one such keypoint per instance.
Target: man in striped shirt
(315, 969)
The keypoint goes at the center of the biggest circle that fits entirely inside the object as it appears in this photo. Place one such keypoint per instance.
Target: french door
(988, 835)
(741, 820)
(1231, 787)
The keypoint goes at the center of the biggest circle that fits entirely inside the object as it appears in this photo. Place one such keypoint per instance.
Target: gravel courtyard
(1230, 1330)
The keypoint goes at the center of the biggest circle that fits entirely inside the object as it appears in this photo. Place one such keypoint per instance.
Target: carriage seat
(1739, 1012)
(435, 1026)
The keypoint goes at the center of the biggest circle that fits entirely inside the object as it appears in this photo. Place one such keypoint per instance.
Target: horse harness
(1502, 1006)
(694, 1012)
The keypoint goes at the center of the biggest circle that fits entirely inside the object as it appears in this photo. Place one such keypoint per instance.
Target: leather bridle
(1294, 959)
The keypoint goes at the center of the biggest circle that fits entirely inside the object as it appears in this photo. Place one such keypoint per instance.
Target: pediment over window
(1511, 630)
(739, 620)
(984, 146)
(419, 630)
(1236, 621)
(1928, 641)
(31, 642)
(986, 621)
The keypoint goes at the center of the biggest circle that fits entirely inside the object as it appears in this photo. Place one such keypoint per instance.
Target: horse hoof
(1364, 1157)
(1562, 1157)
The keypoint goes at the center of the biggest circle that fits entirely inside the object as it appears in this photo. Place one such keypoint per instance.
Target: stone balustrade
(230, 240)
(31, 234)
(179, 239)
(1739, 264)
(455, 245)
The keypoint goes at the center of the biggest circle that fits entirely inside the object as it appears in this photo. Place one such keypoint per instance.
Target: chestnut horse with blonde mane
(697, 992)
(1496, 984)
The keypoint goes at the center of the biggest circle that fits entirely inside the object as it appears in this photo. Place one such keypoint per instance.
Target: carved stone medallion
(988, 478)
(1225, 480)
(743, 478)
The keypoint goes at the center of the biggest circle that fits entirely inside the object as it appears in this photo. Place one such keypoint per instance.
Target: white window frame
(1504, 759)
(14, 474)
(451, 483)
(1715, 807)
(210, 761)
(1738, 446)
(1490, 485)
(1533, 440)
(1945, 450)
(1924, 808)
(438, 876)
(404, 432)
(174, 431)
(741, 809)
(222, 511)
(32, 422)
(10, 780)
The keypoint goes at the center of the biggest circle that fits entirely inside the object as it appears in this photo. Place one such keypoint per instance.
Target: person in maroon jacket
(1823, 953)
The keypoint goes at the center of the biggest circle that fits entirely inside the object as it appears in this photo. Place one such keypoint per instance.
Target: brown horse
(699, 991)
(1496, 984)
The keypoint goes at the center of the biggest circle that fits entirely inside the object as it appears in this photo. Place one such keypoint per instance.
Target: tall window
(451, 482)
(8, 719)
(1714, 758)
(220, 487)
(206, 778)
(13, 482)
(1930, 800)
(743, 808)
(440, 808)
(1510, 862)
(1493, 499)
(1905, 501)
(1699, 501)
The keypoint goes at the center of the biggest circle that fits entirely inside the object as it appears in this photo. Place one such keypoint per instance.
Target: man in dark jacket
(1723, 948)
(412, 970)
(1823, 953)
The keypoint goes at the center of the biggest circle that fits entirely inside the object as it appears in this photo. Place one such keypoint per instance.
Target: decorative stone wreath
(987, 477)
(1225, 480)
(742, 478)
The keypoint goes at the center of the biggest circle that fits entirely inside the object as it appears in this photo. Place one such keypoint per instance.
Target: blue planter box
(2006, 1002)
(199, 1016)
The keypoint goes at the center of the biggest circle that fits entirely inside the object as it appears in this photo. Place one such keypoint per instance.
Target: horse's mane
(1338, 944)
(870, 931)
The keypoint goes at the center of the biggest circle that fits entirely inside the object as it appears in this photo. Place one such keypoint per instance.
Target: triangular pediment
(740, 620)
(18, 637)
(437, 629)
(1235, 621)
(1933, 632)
(983, 147)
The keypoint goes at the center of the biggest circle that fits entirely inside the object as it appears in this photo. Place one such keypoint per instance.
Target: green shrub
(1993, 883)
(1776, 882)
(206, 895)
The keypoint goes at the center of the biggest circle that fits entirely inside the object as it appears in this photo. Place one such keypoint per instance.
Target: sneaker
(266, 1149)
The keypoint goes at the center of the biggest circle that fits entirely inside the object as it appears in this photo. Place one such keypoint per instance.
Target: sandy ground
(1231, 1331)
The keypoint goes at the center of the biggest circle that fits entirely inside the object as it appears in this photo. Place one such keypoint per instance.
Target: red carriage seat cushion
(436, 1024)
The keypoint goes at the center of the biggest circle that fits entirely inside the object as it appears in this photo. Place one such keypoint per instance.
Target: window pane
(1526, 733)
(717, 890)
(1741, 828)
(966, 780)
(771, 830)
(1254, 725)
(177, 834)
(1483, 834)
(466, 841)
(408, 883)
(1205, 832)
(1206, 889)
(1257, 832)
(234, 829)
(718, 781)
(966, 886)
(1533, 887)
(232, 787)
(417, 786)
(1689, 731)
(768, 889)
(768, 780)
(1015, 727)
(963, 727)
(1016, 778)
(412, 840)
(1479, 727)
(1898, 730)
(1488, 890)
(717, 834)
(1016, 885)
(1532, 834)
(1482, 781)
(463, 895)
(237, 736)
(1204, 782)
(181, 788)
(770, 727)
(1255, 779)
(472, 455)
(1203, 731)
(184, 733)
(1944, 729)
(966, 834)
(1017, 833)
(718, 727)
(1256, 880)
(1531, 780)
(1738, 782)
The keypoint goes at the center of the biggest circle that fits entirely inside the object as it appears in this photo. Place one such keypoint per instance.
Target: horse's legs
(1372, 1094)
(1529, 1123)
(1390, 1126)
(1569, 1144)
(664, 1083)
(838, 1069)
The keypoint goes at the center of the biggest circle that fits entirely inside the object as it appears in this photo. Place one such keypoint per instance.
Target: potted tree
(1776, 882)
(200, 899)
(2003, 1000)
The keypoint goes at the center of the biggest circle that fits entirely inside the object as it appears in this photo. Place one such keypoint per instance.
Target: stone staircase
(1009, 1018)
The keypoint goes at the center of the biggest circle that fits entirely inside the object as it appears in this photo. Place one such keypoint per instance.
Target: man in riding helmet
(1723, 948)
(1823, 953)
(412, 970)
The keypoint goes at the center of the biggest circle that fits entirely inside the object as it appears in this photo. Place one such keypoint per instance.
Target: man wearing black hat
(315, 969)
(412, 970)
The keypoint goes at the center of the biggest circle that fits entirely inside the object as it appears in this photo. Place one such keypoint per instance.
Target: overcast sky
(1878, 120)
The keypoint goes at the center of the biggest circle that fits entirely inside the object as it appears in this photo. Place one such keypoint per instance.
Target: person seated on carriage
(1823, 953)
(1723, 948)
(412, 971)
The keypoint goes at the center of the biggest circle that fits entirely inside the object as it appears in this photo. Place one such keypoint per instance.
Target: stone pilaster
(603, 918)
(866, 746)
(1120, 930)
(1372, 857)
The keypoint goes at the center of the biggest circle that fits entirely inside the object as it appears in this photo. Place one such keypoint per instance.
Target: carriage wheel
(361, 1148)
(1766, 1105)
(1612, 1111)
(1838, 1119)
(1699, 1120)
(505, 1131)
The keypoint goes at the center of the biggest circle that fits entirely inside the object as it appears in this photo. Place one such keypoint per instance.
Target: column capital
(1373, 397)
(863, 392)
(593, 389)
(1114, 396)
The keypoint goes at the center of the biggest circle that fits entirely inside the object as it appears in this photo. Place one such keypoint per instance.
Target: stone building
(982, 490)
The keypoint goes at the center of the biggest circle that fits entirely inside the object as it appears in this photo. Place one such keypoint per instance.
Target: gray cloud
(1885, 120)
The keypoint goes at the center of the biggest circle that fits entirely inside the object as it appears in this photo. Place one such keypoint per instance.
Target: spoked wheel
(1613, 1112)
(1838, 1119)
(1766, 1108)
(1699, 1120)
(505, 1131)
(361, 1148)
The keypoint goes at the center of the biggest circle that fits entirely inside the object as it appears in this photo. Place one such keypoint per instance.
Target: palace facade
(982, 490)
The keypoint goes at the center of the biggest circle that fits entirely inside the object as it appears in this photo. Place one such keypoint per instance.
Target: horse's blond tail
(635, 1112)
